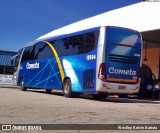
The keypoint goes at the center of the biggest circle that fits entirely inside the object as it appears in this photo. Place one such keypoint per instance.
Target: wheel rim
(66, 88)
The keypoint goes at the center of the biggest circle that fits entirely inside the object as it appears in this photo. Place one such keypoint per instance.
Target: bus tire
(48, 91)
(99, 97)
(67, 88)
(23, 88)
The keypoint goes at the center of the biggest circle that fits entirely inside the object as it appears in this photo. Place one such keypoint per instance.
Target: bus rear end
(119, 71)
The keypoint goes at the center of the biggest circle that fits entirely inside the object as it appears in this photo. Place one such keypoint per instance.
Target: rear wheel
(23, 88)
(67, 88)
(48, 91)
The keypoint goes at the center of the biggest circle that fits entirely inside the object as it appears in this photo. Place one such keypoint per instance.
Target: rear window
(122, 37)
(123, 41)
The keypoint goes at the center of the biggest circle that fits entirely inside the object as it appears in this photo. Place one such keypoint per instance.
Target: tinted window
(27, 52)
(38, 51)
(88, 44)
(42, 51)
(17, 58)
(79, 44)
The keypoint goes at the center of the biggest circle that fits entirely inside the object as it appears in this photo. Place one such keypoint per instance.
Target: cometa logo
(113, 70)
(32, 66)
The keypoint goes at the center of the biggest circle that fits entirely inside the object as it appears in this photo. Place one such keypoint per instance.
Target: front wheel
(67, 88)
(23, 88)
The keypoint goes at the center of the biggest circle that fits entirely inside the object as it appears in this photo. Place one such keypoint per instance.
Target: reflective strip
(57, 59)
(122, 80)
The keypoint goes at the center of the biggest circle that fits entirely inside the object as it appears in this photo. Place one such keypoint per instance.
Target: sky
(23, 21)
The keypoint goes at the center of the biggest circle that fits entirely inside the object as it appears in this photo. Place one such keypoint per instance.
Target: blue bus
(97, 61)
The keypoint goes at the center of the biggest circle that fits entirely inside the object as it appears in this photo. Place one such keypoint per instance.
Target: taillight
(102, 72)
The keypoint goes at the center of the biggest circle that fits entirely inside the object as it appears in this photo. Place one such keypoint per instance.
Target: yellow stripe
(57, 59)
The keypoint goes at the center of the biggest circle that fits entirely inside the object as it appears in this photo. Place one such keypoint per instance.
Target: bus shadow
(89, 97)
(108, 99)
(123, 100)
(44, 92)
(9, 87)
(128, 100)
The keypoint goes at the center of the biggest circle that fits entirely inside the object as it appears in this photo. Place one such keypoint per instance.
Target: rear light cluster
(102, 72)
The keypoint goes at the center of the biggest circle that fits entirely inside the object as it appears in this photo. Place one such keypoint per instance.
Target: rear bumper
(116, 88)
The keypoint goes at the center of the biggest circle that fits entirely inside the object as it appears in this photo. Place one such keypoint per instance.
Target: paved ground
(36, 107)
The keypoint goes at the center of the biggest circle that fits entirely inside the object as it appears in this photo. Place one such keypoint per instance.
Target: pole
(159, 68)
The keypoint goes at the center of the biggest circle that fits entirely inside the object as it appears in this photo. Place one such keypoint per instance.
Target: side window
(27, 52)
(58, 45)
(89, 42)
(64, 47)
(42, 50)
(38, 51)
(17, 59)
(74, 45)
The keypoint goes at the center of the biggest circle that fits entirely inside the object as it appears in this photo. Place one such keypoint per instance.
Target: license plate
(122, 87)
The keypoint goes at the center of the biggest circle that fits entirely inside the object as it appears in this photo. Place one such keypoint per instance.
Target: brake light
(102, 72)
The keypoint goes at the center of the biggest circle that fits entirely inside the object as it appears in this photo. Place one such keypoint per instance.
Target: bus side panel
(41, 74)
(54, 80)
(24, 73)
(81, 69)
(48, 75)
